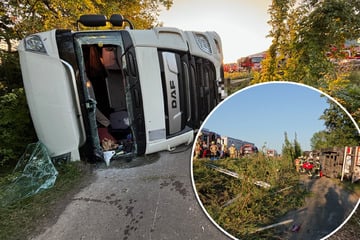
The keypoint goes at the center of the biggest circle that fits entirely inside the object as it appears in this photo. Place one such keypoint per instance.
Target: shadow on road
(326, 208)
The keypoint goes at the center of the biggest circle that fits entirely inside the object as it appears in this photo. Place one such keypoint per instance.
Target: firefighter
(297, 164)
(197, 150)
(213, 150)
(204, 147)
(232, 151)
(317, 168)
(224, 151)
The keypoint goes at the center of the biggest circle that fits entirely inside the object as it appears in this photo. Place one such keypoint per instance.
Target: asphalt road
(146, 198)
(326, 208)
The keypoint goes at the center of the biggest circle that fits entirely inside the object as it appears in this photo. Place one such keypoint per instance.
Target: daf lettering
(173, 94)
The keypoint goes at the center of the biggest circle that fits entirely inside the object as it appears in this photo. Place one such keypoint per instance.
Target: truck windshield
(106, 92)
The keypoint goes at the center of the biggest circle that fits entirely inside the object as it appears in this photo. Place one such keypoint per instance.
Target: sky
(241, 24)
(262, 113)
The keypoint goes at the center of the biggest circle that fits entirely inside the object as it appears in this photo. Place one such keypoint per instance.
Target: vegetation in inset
(239, 205)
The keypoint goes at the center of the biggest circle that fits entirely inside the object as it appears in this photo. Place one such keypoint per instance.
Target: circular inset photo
(275, 161)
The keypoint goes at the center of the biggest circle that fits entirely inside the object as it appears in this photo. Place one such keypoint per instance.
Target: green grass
(20, 219)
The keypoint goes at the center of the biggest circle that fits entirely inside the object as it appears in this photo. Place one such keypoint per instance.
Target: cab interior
(106, 85)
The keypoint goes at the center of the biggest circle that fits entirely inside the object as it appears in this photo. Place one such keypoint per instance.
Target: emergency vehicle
(153, 87)
(248, 149)
(271, 153)
(231, 67)
(228, 141)
(252, 62)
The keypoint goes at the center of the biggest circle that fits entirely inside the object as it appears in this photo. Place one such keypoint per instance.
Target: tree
(279, 11)
(22, 17)
(291, 150)
(340, 129)
(297, 147)
(327, 26)
(302, 37)
(349, 96)
(319, 140)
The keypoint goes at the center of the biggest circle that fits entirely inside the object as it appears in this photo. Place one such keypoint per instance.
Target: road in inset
(146, 198)
(326, 208)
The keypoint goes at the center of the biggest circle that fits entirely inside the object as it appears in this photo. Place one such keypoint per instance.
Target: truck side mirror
(117, 20)
(92, 20)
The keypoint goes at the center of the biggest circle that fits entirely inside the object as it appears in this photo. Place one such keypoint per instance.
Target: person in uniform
(232, 151)
(213, 150)
(224, 151)
(297, 164)
(197, 150)
(204, 147)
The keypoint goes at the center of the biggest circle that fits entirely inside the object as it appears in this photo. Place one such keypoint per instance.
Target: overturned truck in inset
(341, 162)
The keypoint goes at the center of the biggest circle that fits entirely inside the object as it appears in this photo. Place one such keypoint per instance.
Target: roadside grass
(237, 75)
(22, 218)
(238, 205)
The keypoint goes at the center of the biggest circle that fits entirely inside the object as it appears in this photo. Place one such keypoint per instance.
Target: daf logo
(173, 94)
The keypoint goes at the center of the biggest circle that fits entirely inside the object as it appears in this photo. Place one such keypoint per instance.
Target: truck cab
(128, 92)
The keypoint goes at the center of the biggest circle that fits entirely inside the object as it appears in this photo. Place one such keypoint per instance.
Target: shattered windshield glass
(35, 173)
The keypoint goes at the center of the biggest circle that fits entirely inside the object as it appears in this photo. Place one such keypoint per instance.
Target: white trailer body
(154, 86)
(228, 141)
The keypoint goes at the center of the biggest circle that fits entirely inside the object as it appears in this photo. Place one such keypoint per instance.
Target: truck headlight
(34, 43)
(203, 43)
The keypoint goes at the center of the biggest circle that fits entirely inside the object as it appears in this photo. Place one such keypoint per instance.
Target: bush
(238, 205)
(16, 129)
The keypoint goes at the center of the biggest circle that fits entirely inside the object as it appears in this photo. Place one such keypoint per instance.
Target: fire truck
(347, 56)
(252, 62)
(231, 67)
(248, 149)
(141, 91)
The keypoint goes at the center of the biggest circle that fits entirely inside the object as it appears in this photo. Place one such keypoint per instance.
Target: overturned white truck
(144, 90)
